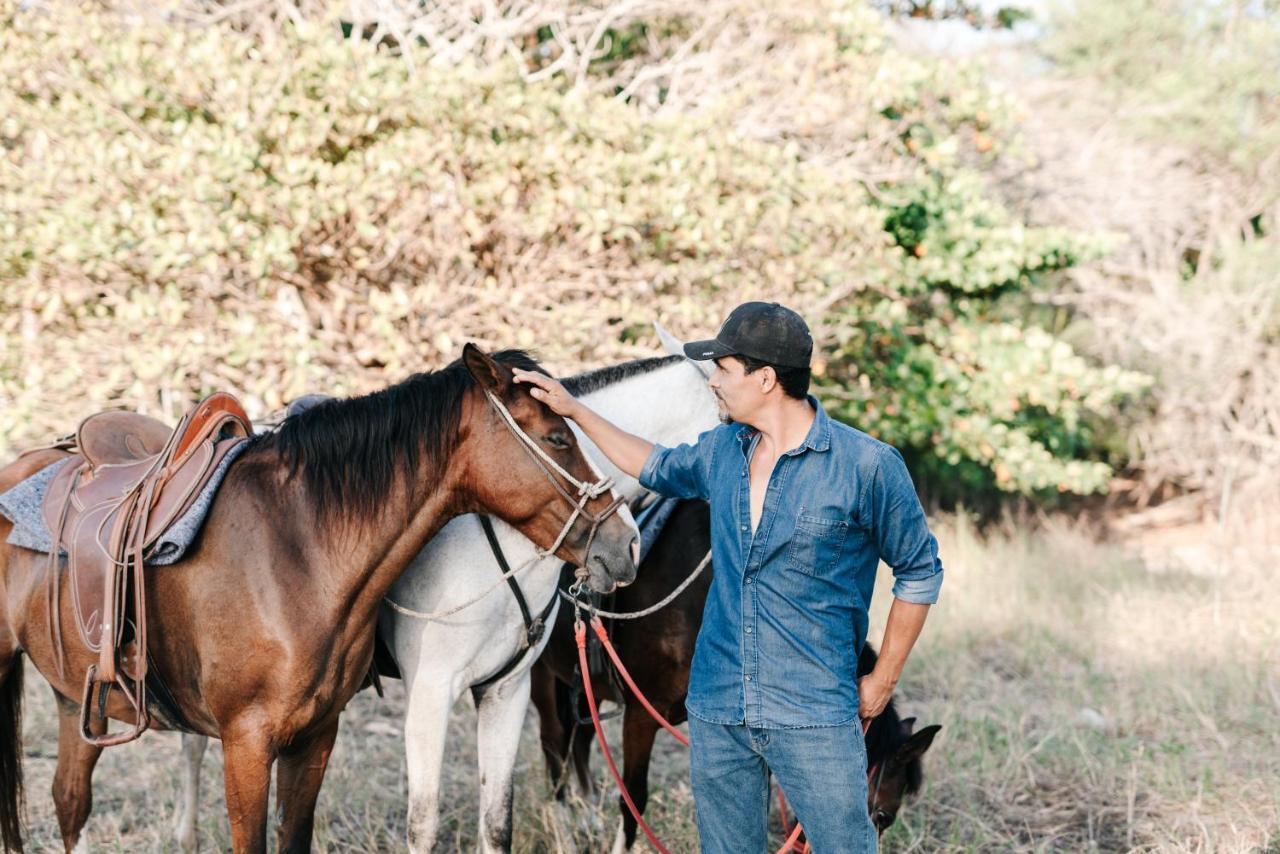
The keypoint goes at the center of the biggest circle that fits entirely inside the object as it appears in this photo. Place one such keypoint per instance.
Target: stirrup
(91, 684)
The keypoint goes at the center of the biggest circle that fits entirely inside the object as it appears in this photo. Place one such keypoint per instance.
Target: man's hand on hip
(874, 693)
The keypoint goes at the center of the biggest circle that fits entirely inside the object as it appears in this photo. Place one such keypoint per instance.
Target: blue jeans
(822, 771)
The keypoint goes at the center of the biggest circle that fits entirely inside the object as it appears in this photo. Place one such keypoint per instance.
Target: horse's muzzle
(610, 566)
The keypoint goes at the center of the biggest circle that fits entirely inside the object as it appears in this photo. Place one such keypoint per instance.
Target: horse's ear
(670, 343)
(299, 405)
(913, 748)
(487, 373)
(905, 725)
(675, 347)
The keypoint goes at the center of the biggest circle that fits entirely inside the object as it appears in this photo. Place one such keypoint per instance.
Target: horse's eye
(560, 443)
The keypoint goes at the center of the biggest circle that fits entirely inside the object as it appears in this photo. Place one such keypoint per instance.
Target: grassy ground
(1091, 700)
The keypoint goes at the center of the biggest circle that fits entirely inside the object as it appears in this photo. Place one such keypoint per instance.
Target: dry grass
(1088, 703)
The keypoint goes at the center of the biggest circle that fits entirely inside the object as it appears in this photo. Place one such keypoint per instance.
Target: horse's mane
(589, 381)
(350, 453)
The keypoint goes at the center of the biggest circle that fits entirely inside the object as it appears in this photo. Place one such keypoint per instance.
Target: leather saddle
(129, 479)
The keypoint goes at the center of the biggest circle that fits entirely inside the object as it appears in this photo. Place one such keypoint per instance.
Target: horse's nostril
(635, 551)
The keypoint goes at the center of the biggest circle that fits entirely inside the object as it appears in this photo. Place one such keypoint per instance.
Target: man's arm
(625, 450)
(898, 523)
(906, 619)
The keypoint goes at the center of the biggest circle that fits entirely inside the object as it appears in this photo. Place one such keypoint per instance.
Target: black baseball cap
(765, 331)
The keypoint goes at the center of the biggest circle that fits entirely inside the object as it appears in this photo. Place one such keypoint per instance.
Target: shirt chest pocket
(816, 544)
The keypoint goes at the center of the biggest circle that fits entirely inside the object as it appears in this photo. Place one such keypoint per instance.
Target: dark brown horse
(265, 630)
(658, 650)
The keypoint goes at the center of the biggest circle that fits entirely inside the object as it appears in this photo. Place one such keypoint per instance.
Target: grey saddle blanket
(22, 505)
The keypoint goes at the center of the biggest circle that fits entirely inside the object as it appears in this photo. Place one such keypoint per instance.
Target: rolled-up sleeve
(900, 529)
(682, 471)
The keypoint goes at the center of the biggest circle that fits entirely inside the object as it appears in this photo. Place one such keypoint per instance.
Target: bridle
(585, 492)
(875, 772)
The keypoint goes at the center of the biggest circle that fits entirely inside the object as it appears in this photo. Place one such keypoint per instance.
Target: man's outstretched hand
(548, 391)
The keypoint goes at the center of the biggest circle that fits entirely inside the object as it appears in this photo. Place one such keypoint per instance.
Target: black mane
(351, 452)
(589, 381)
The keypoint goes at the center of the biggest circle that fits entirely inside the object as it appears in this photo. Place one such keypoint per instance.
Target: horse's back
(28, 464)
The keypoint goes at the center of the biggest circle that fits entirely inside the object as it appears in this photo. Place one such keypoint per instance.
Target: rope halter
(585, 492)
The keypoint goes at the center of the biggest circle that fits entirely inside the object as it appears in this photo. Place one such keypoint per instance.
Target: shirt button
(744, 529)
(748, 630)
(748, 678)
(749, 580)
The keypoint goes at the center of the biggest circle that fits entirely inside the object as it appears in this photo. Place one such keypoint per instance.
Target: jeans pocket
(816, 544)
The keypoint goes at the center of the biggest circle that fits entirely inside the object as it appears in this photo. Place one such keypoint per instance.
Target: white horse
(664, 400)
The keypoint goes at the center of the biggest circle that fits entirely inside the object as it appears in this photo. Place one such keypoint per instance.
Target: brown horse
(265, 630)
(658, 650)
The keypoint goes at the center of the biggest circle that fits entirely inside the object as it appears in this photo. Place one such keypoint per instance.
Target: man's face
(737, 392)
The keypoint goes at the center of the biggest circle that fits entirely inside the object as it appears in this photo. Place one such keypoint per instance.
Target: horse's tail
(11, 801)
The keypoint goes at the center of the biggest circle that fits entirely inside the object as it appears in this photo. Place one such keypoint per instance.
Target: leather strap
(534, 627)
(532, 638)
(496, 548)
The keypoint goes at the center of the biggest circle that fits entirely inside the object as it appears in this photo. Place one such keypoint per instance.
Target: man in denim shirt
(803, 508)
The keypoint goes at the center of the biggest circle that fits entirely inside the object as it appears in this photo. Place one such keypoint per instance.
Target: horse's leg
(426, 724)
(550, 699)
(73, 778)
(184, 822)
(581, 747)
(246, 770)
(500, 718)
(638, 731)
(299, 773)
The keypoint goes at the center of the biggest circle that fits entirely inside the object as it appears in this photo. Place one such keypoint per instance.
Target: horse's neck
(667, 407)
(366, 560)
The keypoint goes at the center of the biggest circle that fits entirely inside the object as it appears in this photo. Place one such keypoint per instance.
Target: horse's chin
(602, 585)
(603, 579)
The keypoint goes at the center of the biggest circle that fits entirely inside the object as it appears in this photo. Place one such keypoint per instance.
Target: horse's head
(525, 467)
(899, 773)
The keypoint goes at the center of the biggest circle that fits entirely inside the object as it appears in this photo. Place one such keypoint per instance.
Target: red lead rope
(580, 636)
(598, 627)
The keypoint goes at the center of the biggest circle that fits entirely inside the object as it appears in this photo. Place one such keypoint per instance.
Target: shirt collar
(818, 438)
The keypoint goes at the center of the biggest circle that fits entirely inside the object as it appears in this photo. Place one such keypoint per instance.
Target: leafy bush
(189, 208)
(1168, 132)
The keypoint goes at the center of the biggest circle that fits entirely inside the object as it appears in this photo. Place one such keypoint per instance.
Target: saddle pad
(652, 519)
(23, 506)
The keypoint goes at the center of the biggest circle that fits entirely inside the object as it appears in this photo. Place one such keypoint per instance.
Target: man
(803, 508)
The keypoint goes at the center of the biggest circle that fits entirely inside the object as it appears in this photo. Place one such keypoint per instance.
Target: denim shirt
(786, 615)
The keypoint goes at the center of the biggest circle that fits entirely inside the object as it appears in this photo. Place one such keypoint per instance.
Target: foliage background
(1045, 267)
(262, 205)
